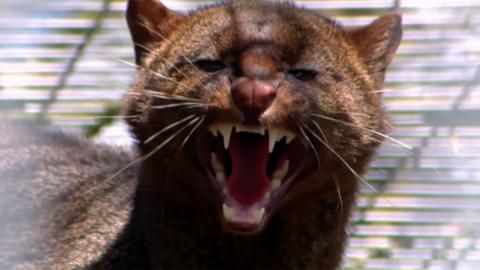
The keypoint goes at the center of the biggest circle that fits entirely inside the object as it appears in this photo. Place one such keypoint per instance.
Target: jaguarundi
(253, 120)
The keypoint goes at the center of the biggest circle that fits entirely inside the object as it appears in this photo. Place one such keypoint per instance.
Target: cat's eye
(209, 65)
(303, 74)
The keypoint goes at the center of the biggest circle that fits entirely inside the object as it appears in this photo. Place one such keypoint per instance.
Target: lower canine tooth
(220, 177)
(258, 215)
(254, 216)
(275, 184)
(227, 212)
(281, 172)
(217, 166)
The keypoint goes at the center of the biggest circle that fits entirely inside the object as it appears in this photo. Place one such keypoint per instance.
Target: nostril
(242, 94)
(263, 96)
(253, 97)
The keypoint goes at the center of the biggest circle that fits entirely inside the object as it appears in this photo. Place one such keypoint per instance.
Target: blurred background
(66, 63)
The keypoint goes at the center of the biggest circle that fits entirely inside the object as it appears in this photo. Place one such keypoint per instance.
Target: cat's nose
(253, 97)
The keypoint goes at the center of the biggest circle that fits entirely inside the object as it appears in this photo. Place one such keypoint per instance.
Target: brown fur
(176, 222)
(59, 209)
(178, 210)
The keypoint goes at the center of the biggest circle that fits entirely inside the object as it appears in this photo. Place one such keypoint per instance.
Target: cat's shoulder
(35, 155)
(57, 194)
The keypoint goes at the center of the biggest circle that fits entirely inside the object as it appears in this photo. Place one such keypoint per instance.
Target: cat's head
(269, 101)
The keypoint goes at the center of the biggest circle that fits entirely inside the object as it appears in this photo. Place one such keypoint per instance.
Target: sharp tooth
(275, 184)
(226, 131)
(218, 169)
(277, 134)
(220, 177)
(214, 130)
(227, 212)
(258, 215)
(290, 136)
(281, 172)
(273, 137)
(217, 166)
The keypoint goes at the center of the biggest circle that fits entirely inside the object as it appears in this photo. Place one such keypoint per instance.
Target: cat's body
(58, 208)
(218, 187)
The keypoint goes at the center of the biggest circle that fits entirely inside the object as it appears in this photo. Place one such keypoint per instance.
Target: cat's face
(268, 100)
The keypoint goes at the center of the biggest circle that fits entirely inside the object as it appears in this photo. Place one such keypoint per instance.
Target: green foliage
(104, 119)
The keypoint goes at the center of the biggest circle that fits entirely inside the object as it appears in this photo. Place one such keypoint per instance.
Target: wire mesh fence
(66, 62)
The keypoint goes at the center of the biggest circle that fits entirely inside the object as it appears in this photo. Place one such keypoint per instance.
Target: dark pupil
(303, 74)
(210, 65)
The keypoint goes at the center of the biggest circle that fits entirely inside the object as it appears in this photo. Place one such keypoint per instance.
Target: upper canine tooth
(226, 131)
(281, 172)
(276, 134)
(273, 136)
(272, 139)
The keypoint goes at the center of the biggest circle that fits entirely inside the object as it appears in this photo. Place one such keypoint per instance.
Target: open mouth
(252, 167)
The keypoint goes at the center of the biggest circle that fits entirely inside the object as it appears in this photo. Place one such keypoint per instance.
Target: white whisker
(140, 159)
(339, 194)
(166, 40)
(320, 130)
(191, 132)
(107, 117)
(175, 105)
(350, 168)
(133, 162)
(342, 159)
(143, 47)
(165, 142)
(163, 58)
(383, 91)
(168, 127)
(311, 144)
(366, 129)
(143, 68)
(418, 88)
(170, 96)
(351, 113)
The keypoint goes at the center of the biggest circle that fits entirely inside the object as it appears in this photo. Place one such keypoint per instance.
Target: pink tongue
(249, 181)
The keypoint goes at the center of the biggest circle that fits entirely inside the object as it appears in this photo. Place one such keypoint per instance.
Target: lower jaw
(242, 228)
(270, 206)
(243, 221)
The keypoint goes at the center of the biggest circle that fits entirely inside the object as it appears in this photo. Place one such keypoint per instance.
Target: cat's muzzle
(252, 168)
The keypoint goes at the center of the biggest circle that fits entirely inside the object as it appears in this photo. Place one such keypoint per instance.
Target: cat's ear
(150, 22)
(377, 43)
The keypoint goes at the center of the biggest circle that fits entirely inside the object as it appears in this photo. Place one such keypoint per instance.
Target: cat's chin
(252, 168)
